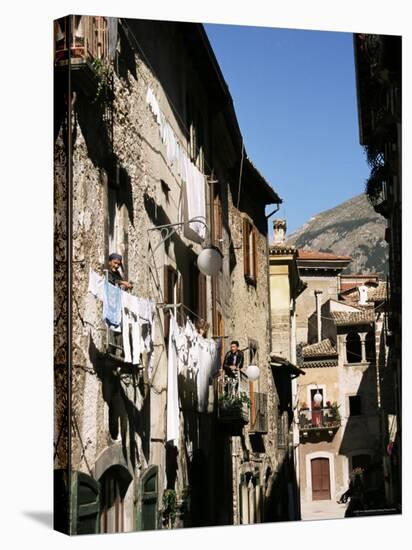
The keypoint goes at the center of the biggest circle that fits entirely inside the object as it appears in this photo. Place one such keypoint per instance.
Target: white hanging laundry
(153, 103)
(136, 342)
(96, 284)
(172, 418)
(126, 324)
(182, 350)
(130, 302)
(195, 205)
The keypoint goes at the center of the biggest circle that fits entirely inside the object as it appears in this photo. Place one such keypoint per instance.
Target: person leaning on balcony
(114, 275)
(233, 361)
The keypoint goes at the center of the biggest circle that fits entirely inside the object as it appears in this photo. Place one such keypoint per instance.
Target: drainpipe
(318, 316)
(268, 275)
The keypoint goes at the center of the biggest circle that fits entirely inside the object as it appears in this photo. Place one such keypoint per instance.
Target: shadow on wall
(122, 410)
(363, 433)
(278, 492)
(96, 131)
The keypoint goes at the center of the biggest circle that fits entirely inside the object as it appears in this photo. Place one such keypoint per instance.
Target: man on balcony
(232, 365)
(114, 275)
(233, 361)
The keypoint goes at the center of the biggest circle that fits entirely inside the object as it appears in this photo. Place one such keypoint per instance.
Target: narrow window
(355, 408)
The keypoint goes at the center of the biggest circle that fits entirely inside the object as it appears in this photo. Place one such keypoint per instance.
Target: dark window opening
(355, 408)
(353, 348)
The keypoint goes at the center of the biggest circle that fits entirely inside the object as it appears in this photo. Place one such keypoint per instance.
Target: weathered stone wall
(119, 164)
(306, 305)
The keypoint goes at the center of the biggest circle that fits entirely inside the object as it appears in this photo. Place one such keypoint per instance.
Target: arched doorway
(113, 487)
(320, 474)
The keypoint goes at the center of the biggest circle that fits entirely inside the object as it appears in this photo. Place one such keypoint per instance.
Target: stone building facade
(145, 86)
(378, 64)
(340, 422)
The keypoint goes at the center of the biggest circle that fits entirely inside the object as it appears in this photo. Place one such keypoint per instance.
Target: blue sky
(295, 98)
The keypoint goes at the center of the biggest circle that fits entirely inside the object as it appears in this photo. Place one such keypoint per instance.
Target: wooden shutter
(253, 411)
(201, 296)
(246, 249)
(217, 219)
(254, 254)
(85, 504)
(150, 484)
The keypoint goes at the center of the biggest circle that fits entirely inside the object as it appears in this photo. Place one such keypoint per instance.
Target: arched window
(353, 348)
(114, 484)
(370, 347)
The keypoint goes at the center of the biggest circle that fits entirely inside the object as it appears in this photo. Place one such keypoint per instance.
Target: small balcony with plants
(83, 43)
(233, 402)
(319, 421)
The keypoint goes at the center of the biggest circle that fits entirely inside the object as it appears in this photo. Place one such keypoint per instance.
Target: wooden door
(320, 479)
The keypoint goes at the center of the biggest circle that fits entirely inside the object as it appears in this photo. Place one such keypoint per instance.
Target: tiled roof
(320, 363)
(304, 254)
(353, 317)
(320, 349)
(376, 294)
(281, 248)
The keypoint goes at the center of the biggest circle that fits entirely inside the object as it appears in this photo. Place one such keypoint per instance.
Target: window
(249, 252)
(353, 348)
(354, 405)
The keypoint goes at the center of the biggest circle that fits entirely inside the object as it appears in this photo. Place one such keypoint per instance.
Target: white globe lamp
(252, 372)
(209, 260)
(317, 398)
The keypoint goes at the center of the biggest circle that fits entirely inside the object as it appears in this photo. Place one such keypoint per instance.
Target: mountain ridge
(352, 228)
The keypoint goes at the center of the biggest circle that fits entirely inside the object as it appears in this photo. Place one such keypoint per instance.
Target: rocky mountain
(352, 229)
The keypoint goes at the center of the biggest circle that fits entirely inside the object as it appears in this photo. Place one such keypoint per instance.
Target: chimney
(318, 316)
(279, 232)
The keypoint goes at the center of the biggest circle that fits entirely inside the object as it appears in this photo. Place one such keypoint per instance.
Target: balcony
(82, 41)
(314, 423)
(233, 402)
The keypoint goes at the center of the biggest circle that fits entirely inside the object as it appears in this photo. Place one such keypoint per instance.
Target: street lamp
(209, 261)
(252, 372)
(317, 398)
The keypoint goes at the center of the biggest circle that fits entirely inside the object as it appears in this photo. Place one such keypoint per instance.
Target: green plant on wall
(103, 72)
(335, 411)
(227, 401)
(169, 507)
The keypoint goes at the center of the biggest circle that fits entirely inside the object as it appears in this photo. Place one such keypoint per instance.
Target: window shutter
(150, 493)
(246, 250)
(254, 254)
(85, 504)
(252, 406)
(201, 297)
(166, 299)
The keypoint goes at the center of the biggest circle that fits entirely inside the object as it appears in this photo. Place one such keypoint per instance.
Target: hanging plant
(103, 72)
(169, 507)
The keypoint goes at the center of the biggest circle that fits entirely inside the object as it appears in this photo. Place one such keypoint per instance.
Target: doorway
(320, 479)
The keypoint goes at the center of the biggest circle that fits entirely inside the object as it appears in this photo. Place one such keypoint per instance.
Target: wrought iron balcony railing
(324, 418)
(80, 38)
(233, 400)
